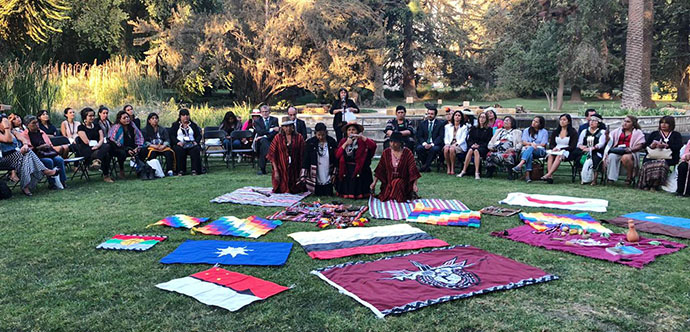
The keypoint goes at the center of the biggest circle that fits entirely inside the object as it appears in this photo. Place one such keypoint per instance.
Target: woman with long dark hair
(185, 137)
(477, 145)
(230, 123)
(125, 138)
(624, 144)
(47, 127)
(663, 151)
(454, 139)
(534, 140)
(103, 121)
(92, 145)
(40, 144)
(68, 128)
(562, 146)
(157, 143)
(339, 107)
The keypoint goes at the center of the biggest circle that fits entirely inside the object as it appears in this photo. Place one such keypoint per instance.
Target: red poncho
(285, 175)
(396, 184)
(364, 150)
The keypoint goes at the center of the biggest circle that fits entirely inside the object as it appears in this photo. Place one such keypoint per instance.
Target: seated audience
(663, 151)
(397, 171)
(562, 146)
(477, 145)
(285, 154)
(27, 167)
(454, 140)
(103, 120)
(125, 140)
(132, 117)
(429, 139)
(40, 144)
(534, 141)
(494, 121)
(157, 143)
(624, 145)
(18, 126)
(47, 127)
(400, 125)
(68, 128)
(185, 138)
(92, 144)
(503, 147)
(319, 166)
(588, 116)
(683, 188)
(354, 155)
(230, 123)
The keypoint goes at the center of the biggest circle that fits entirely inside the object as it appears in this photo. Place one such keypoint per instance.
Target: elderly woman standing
(28, 168)
(663, 151)
(319, 165)
(624, 144)
(504, 146)
(354, 155)
(285, 155)
(397, 172)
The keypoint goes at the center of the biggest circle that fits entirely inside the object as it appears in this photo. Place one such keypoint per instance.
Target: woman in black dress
(91, 144)
(477, 145)
(340, 106)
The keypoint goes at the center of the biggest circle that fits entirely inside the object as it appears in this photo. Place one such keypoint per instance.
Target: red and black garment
(354, 172)
(397, 182)
(287, 163)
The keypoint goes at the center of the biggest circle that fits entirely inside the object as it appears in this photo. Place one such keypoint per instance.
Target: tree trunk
(549, 98)
(559, 93)
(575, 94)
(638, 54)
(684, 87)
(408, 73)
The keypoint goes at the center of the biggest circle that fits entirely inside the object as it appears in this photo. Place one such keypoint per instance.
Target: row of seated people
(498, 143)
(28, 151)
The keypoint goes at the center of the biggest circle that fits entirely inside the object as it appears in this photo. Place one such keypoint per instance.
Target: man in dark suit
(266, 127)
(300, 126)
(429, 138)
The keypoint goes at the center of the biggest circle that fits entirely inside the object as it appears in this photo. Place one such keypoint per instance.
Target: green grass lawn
(53, 278)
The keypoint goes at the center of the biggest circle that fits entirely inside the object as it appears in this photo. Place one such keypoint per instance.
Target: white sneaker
(56, 181)
(170, 173)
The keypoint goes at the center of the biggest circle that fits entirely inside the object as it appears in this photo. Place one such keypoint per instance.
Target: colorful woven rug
(336, 243)
(259, 196)
(131, 242)
(229, 253)
(595, 246)
(339, 215)
(251, 227)
(399, 211)
(222, 288)
(654, 223)
(179, 221)
(444, 217)
(581, 221)
(402, 283)
(556, 202)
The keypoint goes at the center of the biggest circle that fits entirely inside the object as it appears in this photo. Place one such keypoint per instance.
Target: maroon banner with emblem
(402, 283)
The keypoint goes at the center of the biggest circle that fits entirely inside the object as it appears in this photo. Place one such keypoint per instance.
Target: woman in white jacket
(454, 140)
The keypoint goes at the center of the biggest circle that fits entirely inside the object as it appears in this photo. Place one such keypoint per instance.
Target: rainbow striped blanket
(400, 211)
(444, 217)
(259, 196)
(178, 221)
(543, 221)
(251, 227)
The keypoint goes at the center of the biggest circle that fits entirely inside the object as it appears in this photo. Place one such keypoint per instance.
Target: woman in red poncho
(354, 155)
(285, 155)
(397, 172)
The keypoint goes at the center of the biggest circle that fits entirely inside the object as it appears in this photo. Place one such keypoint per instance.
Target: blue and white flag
(229, 253)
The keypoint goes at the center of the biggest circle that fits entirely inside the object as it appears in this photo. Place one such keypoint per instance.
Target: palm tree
(638, 55)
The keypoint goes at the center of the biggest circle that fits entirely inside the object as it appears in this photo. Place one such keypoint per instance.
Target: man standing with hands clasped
(266, 127)
(429, 138)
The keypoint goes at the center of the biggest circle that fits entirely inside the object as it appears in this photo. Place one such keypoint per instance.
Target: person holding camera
(28, 168)
(185, 138)
(354, 156)
(624, 144)
(126, 140)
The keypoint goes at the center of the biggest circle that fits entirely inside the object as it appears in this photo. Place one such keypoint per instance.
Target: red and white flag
(222, 288)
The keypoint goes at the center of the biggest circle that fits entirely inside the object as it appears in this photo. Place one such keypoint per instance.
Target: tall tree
(34, 19)
(671, 57)
(638, 55)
